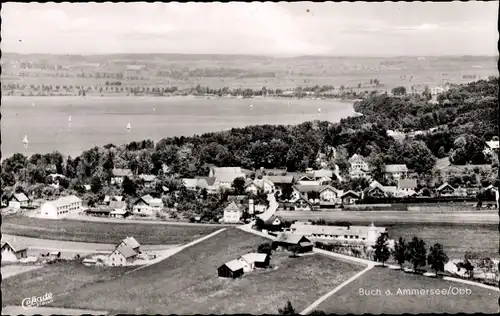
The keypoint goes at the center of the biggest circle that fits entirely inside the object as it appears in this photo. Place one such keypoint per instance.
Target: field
(396, 217)
(349, 300)
(107, 233)
(47, 128)
(56, 278)
(11, 270)
(187, 283)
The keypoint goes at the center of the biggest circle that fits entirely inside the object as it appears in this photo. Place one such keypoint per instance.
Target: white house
(13, 251)
(61, 207)
(232, 213)
(359, 168)
(491, 146)
(118, 209)
(147, 206)
(130, 242)
(148, 179)
(122, 256)
(120, 174)
(398, 171)
(19, 200)
(252, 260)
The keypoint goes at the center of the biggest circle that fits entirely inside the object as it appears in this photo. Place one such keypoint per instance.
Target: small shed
(254, 260)
(232, 269)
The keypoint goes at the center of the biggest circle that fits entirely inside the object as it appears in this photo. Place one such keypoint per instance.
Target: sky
(274, 29)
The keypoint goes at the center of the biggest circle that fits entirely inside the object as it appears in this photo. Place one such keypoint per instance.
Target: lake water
(103, 120)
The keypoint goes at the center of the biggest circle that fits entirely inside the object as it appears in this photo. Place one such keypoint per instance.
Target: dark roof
(233, 207)
(127, 251)
(292, 238)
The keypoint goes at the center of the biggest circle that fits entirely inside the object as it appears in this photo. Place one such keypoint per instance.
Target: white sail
(25, 139)
(128, 126)
(69, 119)
(32, 104)
(251, 106)
(319, 110)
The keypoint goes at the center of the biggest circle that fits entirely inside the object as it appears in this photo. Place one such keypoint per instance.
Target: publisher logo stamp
(36, 301)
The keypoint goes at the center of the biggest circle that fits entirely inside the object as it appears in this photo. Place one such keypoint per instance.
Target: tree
(437, 258)
(399, 253)
(129, 187)
(287, 310)
(96, 185)
(486, 265)
(286, 192)
(265, 248)
(238, 185)
(417, 253)
(399, 90)
(381, 247)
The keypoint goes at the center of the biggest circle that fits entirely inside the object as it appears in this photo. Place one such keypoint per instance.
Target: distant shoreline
(93, 96)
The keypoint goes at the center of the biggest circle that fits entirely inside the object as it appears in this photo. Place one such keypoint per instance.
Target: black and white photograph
(279, 158)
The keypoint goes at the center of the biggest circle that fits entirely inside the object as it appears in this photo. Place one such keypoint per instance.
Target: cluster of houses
(116, 207)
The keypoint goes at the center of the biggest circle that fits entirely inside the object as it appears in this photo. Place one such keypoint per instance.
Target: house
(206, 183)
(366, 234)
(264, 184)
(148, 179)
(108, 199)
(491, 146)
(233, 213)
(119, 175)
(122, 256)
(349, 197)
(287, 240)
(165, 168)
(12, 251)
(130, 242)
(302, 204)
(253, 260)
(398, 171)
(147, 205)
(280, 181)
(232, 269)
(315, 193)
(19, 200)
(226, 175)
(375, 192)
(87, 187)
(61, 207)
(190, 184)
(408, 186)
(446, 190)
(118, 209)
(358, 168)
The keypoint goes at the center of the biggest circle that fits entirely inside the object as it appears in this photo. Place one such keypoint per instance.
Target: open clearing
(12, 270)
(349, 300)
(187, 283)
(396, 217)
(55, 278)
(106, 233)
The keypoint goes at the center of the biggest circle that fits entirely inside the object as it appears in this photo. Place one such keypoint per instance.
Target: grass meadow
(105, 232)
(349, 300)
(187, 283)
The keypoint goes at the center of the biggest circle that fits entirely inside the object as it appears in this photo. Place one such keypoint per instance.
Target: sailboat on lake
(129, 127)
(25, 141)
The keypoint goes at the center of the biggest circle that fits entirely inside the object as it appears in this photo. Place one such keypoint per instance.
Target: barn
(13, 251)
(286, 241)
(254, 260)
(232, 269)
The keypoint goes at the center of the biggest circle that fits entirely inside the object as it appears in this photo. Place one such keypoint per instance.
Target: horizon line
(250, 55)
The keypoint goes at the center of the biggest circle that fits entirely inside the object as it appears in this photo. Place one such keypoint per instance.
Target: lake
(97, 121)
